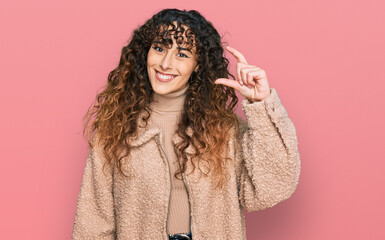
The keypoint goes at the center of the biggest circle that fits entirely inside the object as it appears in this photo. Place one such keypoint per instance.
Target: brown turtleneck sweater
(165, 114)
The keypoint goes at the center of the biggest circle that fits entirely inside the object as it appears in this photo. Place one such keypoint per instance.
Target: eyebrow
(179, 48)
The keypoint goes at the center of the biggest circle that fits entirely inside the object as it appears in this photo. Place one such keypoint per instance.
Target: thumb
(228, 82)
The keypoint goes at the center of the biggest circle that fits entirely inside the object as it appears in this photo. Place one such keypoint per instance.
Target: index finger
(237, 55)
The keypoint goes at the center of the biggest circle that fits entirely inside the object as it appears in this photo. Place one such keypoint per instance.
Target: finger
(228, 82)
(238, 69)
(239, 75)
(244, 71)
(253, 76)
(240, 58)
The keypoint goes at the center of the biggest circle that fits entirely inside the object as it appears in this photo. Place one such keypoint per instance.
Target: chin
(160, 90)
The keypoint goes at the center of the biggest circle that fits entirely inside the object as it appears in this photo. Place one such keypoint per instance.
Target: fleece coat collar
(145, 133)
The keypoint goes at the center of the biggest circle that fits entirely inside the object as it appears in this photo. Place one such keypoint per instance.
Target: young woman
(169, 159)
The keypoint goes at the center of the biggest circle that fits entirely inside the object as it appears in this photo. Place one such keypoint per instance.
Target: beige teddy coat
(265, 170)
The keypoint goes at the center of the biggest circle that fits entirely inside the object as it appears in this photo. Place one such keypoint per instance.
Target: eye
(183, 55)
(159, 49)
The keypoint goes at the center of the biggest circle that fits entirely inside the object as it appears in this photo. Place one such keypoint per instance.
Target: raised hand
(251, 80)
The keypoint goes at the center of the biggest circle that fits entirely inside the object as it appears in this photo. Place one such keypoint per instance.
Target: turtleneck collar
(171, 102)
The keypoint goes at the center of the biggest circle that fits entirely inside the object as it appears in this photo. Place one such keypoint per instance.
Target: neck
(171, 102)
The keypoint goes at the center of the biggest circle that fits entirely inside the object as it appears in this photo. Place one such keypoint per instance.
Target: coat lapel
(144, 133)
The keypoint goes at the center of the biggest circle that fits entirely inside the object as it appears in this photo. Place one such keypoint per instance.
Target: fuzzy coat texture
(265, 171)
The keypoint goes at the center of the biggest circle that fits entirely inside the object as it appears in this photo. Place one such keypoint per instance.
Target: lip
(161, 79)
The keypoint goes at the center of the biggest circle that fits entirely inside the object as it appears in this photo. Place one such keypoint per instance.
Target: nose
(167, 61)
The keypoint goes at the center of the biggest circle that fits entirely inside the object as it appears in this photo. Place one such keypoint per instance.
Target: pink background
(325, 59)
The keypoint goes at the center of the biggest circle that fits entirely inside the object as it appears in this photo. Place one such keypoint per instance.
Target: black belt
(180, 236)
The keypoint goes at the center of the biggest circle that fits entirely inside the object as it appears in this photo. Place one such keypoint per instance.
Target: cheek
(188, 68)
(151, 57)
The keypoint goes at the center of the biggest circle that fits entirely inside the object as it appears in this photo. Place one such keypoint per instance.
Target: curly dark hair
(208, 107)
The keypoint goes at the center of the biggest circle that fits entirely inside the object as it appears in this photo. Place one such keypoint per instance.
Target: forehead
(181, 34)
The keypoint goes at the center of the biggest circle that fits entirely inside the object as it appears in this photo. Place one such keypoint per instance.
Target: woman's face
(169, 69)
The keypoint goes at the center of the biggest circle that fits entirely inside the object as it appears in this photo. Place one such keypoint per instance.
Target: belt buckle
(184, 236)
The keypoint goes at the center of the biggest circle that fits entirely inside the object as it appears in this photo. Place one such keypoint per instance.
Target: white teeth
(164, 76)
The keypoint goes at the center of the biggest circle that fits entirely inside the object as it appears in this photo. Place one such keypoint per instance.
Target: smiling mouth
(164, 77)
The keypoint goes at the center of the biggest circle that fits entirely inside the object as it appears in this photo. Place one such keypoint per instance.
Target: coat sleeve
(267, 154)
(94, 217)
